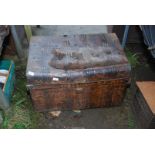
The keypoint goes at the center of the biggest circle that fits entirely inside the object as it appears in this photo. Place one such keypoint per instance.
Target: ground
(22, 114)
(47, 30)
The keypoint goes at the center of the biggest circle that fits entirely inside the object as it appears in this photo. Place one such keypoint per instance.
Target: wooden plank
(148, 90)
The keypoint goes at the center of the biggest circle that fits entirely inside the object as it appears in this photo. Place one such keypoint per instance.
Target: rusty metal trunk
(76, 72)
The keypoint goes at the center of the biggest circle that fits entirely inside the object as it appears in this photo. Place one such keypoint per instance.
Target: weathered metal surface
(78, 96)
(76, 72)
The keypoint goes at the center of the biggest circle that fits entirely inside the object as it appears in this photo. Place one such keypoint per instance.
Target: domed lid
(74, 55)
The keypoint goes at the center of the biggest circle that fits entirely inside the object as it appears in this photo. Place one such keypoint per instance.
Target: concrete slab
(47, 30)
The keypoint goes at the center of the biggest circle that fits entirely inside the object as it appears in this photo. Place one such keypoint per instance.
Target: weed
(19, 126)
(5, 123)
(132, 58)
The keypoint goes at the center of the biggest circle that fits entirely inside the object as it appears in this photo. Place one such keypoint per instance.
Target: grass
(132, 58)
(21, 114)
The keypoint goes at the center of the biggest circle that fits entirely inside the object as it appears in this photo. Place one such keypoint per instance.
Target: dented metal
(59, 66)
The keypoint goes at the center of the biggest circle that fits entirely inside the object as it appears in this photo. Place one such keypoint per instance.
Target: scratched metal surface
(41, 54)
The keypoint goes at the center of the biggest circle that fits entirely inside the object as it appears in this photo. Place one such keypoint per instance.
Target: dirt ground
(23, 115)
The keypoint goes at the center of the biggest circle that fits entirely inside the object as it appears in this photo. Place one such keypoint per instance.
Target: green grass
(132, 58)
(21, 114)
